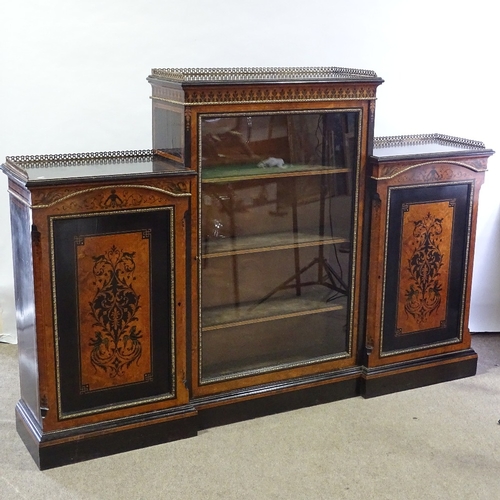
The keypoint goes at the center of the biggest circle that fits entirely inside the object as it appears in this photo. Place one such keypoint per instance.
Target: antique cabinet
(280, 156)
(266, 254)
(424, 208)
(100, 244)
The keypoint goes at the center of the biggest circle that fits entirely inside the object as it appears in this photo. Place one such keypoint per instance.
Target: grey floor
(437, 442)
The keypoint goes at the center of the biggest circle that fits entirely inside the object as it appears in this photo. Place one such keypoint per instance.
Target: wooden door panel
(426, 255)
(113, 292)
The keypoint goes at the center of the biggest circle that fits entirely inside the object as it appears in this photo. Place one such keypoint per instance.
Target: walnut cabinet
(263, 256)
(425, 191)
(100, 277)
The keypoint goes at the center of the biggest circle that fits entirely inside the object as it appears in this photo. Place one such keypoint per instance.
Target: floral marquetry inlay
(114, 310)
(110, 197)
(424, 267)
(430, 171)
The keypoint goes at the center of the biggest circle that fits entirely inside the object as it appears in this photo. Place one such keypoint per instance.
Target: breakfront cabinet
(263, 256)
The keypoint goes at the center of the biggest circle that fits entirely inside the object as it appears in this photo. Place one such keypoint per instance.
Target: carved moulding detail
(111, 197)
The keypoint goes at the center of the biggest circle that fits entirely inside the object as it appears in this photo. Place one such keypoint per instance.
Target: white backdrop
(72, 79)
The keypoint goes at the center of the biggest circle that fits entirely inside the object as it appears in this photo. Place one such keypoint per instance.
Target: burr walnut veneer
(260, 258)
(425, 191)
(100, 246)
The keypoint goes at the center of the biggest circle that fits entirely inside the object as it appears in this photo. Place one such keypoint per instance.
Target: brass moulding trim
(244, 251)
(70, 159)
(259, 73)
(118, 406)
(356, 218)
(357, 172)
(274, 368)
(19, 198)
(163, 99)
(425, 347)
(435, 162)
(408, 140)
(100, 188)
(121, 405)
(283, 173)
(384, 354)
(93, 429)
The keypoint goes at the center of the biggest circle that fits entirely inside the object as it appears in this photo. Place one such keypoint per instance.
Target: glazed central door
(276, 211)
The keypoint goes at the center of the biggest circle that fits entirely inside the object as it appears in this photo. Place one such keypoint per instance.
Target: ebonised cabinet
(263, 256)
(100, 245)
(425, 191)
(281, 161)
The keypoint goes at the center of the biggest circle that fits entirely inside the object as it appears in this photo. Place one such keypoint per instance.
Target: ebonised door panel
(113, 287)
(425, 263)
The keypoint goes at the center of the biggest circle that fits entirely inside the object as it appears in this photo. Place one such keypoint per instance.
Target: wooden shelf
(231, 173)
(314, 300)
(224, 247)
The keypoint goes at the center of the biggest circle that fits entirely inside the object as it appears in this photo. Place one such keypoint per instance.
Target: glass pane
(276, 225)
(168, 129)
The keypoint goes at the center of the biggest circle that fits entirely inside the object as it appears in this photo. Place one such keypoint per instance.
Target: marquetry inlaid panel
(430, 171)
(114, 316)
(110, 197)
(114, 309)
(279, 93)
(424, 266)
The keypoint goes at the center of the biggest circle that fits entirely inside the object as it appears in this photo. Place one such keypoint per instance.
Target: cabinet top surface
(89, 166)
(409, 146)
(261, 75)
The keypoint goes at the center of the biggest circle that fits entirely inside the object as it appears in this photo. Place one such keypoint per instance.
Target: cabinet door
(277, 206)
(114, 299)
(114, 307)
(425, 278)
(422, 246)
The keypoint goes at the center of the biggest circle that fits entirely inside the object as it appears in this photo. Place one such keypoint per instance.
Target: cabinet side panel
(25, 303)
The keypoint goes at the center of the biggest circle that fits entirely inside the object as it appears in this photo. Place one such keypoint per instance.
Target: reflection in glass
(276, 226)
(168, 129)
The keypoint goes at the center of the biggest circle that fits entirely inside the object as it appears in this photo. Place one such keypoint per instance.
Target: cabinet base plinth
(107, 438)
(64, 447)
(418, 373)
(277, 398)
